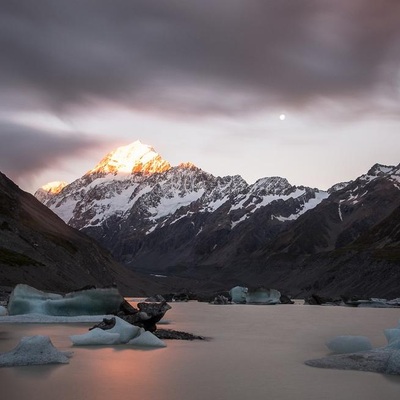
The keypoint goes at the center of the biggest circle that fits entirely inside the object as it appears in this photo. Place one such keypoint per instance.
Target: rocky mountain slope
(348, 244)
(184, 222)
(38, 248)
(152, 215)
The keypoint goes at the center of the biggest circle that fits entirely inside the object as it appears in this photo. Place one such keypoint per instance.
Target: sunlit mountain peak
(49, 190)
(54, 187)
(187, 165)
(132, 158)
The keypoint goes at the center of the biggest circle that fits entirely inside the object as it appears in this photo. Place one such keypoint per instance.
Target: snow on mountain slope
(135, 178)
(360, 187)
(312, 203)
(173, 219)
(266, 190)
(46, 192)
(346, 214)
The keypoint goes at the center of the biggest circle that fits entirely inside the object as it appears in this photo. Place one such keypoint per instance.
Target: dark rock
(146, 316)
(318, 300)
(210, 297)
(156, 299)
(286, 299)
(184, 295)
(220, 299)
(107, 323)
(181, 297)
(168, 296)
(127, 309)
(177, 335)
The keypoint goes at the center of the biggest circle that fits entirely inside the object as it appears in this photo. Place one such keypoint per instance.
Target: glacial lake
(254, 352)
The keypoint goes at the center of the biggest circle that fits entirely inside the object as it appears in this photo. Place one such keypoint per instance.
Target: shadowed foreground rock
(146, 316)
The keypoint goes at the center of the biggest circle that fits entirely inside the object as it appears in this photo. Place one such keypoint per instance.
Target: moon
(282, 117)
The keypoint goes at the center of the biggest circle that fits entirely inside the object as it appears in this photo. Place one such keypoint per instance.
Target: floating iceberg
(27, 300)
(147, 339)
(377, 360)
(126, 330)
(393, 338)
(263, 296)
(96, 336)
(120, 332)
(392, 335)
(359, 355)
(349, 344)
(34, 350)
(238, 294)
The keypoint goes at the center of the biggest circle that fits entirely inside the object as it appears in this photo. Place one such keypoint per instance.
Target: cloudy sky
(204, 81)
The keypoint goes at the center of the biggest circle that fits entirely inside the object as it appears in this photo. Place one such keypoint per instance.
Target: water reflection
(256, 352)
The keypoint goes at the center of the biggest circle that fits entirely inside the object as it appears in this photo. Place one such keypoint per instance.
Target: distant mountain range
(215, 232)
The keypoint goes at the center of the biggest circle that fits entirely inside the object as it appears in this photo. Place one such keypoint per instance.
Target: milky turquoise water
(255, 352)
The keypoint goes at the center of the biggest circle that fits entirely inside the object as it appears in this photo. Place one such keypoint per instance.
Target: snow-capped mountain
(46, 192)
(126, 160)
(349, 212)
(182, 221)
(134, 191)
(136, 177)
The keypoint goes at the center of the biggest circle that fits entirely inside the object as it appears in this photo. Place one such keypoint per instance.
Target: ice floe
(147, 339)
(34, 350)
(385, 359)
(26, 300)
(96, 337)
(348, 344)
(260, 295)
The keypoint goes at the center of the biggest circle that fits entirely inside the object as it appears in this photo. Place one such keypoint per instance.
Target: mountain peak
(132, 158)
(54, 187)
(380, 169)
(188, 165)
(49, 190)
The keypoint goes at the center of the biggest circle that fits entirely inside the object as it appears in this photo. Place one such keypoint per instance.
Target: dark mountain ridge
(39, 249)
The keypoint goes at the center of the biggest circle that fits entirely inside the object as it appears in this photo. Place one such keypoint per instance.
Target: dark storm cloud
(24, 152)
(198, 56)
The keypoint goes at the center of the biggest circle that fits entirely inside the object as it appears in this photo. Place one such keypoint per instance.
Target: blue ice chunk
(392, 334)
(393, 365)
(238, 294)
(147, 339)
(34, 350)
(94, 337)
(126, 330)
(349, 344)
(263, 296)
(27, 300)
